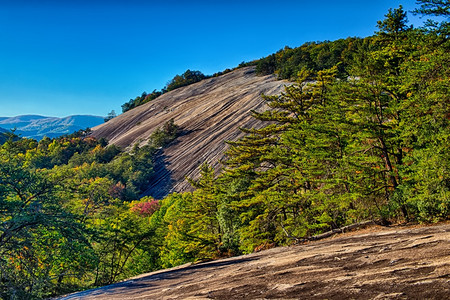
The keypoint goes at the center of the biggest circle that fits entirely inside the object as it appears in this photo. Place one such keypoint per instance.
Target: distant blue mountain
(36, 127)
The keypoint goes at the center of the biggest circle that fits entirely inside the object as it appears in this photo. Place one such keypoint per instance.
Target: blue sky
(59, 58)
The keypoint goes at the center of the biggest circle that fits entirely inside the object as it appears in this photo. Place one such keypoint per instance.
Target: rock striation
(208, 113)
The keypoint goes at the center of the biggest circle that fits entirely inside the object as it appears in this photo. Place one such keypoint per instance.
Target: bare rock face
(208, 113)
(373, 263)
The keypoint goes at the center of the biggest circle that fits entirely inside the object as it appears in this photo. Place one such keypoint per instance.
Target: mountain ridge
(37, 126)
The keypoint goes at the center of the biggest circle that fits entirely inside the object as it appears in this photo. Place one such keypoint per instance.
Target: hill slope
(209, 113)
(36, 127)
(375, 263)
(3, 137)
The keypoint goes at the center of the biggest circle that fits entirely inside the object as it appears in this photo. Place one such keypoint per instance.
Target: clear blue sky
(60, 58)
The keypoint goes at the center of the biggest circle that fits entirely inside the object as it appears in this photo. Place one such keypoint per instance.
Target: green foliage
(196, 226)
(40, 243)
(122, 241)
(337, 150)
(394, 23)
(315, 56)
(8, 135)
(68, 218)
(435, 8)
(193, 229)
(161, 137)
(293, 192)
(187, 78)
(139, 100)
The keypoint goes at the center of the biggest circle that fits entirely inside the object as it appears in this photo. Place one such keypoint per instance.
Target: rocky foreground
(373, 263)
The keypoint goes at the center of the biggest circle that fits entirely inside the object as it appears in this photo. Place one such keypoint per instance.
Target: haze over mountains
(36, 127)
(209, 113)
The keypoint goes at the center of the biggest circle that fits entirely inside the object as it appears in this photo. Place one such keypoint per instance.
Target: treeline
(313, 56)
(187, 78)
(286, 64)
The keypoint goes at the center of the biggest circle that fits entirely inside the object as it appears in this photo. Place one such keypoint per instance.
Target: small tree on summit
(394, 23)
(111, 115)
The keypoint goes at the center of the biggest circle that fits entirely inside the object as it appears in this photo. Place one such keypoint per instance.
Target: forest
(187, 78)
(361, 135)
